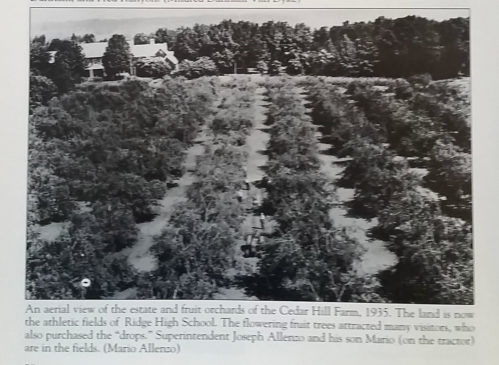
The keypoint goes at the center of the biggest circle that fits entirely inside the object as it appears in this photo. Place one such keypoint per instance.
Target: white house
(93, 53)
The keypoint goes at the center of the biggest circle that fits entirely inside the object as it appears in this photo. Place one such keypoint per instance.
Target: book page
(249, 181)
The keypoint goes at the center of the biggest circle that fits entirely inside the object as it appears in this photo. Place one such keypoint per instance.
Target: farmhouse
(93, 53)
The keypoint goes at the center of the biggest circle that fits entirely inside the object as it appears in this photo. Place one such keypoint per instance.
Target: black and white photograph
(312, 155)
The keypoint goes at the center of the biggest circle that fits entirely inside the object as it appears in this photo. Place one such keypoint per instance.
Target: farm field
(303, 188)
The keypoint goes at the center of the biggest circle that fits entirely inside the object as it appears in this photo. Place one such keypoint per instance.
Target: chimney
(152, 41)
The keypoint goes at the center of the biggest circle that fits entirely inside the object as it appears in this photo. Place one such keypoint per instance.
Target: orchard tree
(192, 255)
(450, 175)
(117, 57)
(435, 252)
(319, 267)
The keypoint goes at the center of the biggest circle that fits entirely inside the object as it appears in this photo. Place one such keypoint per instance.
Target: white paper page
(253, 314)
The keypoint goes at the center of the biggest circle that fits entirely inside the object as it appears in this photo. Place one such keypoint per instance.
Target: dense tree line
(99, 160)
(432, 242)
(384, 47)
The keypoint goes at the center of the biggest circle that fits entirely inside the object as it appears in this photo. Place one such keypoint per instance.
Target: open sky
(313, 18)
(56, 21)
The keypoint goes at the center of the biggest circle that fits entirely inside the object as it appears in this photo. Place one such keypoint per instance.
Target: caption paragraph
(128, 328)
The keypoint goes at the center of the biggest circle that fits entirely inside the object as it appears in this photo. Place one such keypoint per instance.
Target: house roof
(93, 50)
(148, 50)
(97, 49)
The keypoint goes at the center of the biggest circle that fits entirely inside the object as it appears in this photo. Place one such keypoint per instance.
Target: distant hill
(105, 28)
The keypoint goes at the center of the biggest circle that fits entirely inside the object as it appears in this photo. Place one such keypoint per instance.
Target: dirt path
(139, 256)
(256, 145)
(376, 256)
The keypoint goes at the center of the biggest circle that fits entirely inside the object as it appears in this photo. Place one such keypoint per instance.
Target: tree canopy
(384, 47)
